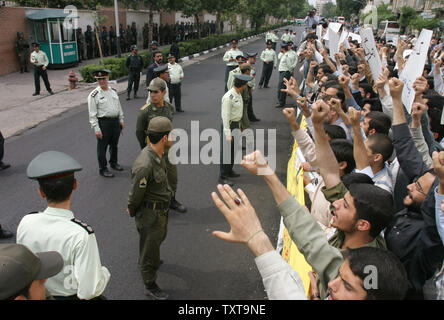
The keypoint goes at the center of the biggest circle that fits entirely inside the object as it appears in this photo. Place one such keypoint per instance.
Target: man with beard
(413, 236)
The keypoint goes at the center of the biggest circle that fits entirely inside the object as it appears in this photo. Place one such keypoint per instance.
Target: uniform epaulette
(83, 225)
(114, 89)
(94, 93)
(231, 96)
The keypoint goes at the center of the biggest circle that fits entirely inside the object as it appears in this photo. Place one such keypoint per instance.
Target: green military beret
(160, 124)
(52, 164)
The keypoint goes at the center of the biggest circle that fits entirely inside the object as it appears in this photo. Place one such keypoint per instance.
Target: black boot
(128, 96)
(177, 206)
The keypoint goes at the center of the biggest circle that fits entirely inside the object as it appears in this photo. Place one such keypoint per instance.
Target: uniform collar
(59, 212)
(157, 158)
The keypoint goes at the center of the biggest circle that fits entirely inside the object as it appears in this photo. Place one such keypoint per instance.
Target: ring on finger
(237, 201)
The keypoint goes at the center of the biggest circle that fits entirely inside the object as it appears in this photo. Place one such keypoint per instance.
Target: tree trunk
(151, 27)
(98, 43)
(218, 17)
(196, 17)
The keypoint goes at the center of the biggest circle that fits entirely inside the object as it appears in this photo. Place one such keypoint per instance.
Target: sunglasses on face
(153, 91)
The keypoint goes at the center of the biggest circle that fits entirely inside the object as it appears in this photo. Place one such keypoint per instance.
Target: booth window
(41, 31)
(54, 27)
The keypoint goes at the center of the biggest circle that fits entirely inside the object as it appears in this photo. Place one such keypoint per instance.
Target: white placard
(319, 58)
(355, 36)
(371, 53)
(335, 26)
(319, 31)
(414, 67)
(333, 42)
(343, 37)
(347, 44)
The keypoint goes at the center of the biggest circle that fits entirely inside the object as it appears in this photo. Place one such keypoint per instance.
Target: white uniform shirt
(55, 230)
(39, 58)
(252, 82)
(286, 62)
(232, 108)
(103, 103)
(176, 73)
(286, 37)
(232, 54)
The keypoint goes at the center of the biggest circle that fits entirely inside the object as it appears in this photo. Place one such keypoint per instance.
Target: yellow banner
(290, 252)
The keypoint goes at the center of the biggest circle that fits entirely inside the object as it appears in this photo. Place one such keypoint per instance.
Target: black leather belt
(157, 205)
(108, 118)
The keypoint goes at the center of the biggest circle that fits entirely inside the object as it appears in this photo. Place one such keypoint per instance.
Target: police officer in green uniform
(22, 48)
(149, 200)
(231, 113)
(158, 107)
(106, 119)
(134, 63)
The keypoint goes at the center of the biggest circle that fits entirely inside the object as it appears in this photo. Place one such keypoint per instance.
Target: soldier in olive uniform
(157, 106)
(105, 42)
(22, 48)
(123, 37)
(80, 44)
(134, 63)
(145, 35)
(129, 38)
(89, 42)
(149, 200)
(112, 41)
(133, 34)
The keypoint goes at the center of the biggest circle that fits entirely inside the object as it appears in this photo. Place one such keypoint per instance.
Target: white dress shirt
(39, 58)
(57, 230)
(103, 103)
(176, 73)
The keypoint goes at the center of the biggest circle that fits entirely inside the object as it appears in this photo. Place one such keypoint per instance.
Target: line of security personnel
(134, 63)
(158, 106)
(57, 229)
(106, 119)
(232, 110)
(150, 196)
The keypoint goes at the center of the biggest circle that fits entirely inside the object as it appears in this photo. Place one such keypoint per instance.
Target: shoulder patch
(94, 93)
(143, 183)
(83, 225)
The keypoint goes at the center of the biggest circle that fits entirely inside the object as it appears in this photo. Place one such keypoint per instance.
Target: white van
(389, 29)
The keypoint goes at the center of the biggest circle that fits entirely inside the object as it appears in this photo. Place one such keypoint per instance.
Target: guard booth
(59, 43)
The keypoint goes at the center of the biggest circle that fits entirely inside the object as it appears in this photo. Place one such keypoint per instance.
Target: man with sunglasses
(106, 119)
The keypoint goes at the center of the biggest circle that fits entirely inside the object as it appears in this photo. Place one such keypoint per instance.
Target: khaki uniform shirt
(146, 113)
(149, 181)
(269, 55)
(103, 103)
(232, 54)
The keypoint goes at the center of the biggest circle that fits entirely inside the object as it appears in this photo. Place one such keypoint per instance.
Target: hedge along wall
(187, 48)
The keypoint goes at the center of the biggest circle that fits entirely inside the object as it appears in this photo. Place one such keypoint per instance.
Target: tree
(329, 10)
(347, 7)
(408, 14)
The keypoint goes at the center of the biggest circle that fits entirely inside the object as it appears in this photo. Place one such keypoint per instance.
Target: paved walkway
(20, 111)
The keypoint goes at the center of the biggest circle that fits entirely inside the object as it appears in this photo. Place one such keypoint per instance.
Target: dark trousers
(89, 51)
(23, 61)
(2, 147)
(39, 72)
(227, 72)
(176, 94)
(110, 137)
(282, 96)
(250, 111)
(133, 78)
(152, 228)
(227, 166)
(273, 45)
(267, 70)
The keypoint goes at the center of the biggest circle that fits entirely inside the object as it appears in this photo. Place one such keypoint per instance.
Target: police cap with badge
(241, 59)
(101, 73)
(133, 47)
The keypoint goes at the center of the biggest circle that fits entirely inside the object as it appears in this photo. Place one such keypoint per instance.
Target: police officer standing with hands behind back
(149, 200)
(106, 119)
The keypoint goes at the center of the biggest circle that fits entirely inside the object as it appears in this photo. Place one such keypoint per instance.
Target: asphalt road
(196, 264)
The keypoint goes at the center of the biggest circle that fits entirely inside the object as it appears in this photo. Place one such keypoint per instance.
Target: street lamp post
(116, 14)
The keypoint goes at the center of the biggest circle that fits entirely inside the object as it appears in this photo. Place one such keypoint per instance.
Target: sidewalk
(20, 111)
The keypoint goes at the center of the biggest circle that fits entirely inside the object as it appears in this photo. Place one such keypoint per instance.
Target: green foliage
(329, 10)
(187, 48)
(420, 23)
(348, 7)
(408, 14)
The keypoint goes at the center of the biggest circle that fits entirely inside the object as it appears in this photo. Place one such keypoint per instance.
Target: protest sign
(371, 53)
(333, 42)
(414, 67)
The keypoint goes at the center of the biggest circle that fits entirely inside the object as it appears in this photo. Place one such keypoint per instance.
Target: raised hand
(320, 112)
(256, 164)
(396, 87)
(420, 85)
(418, 110)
